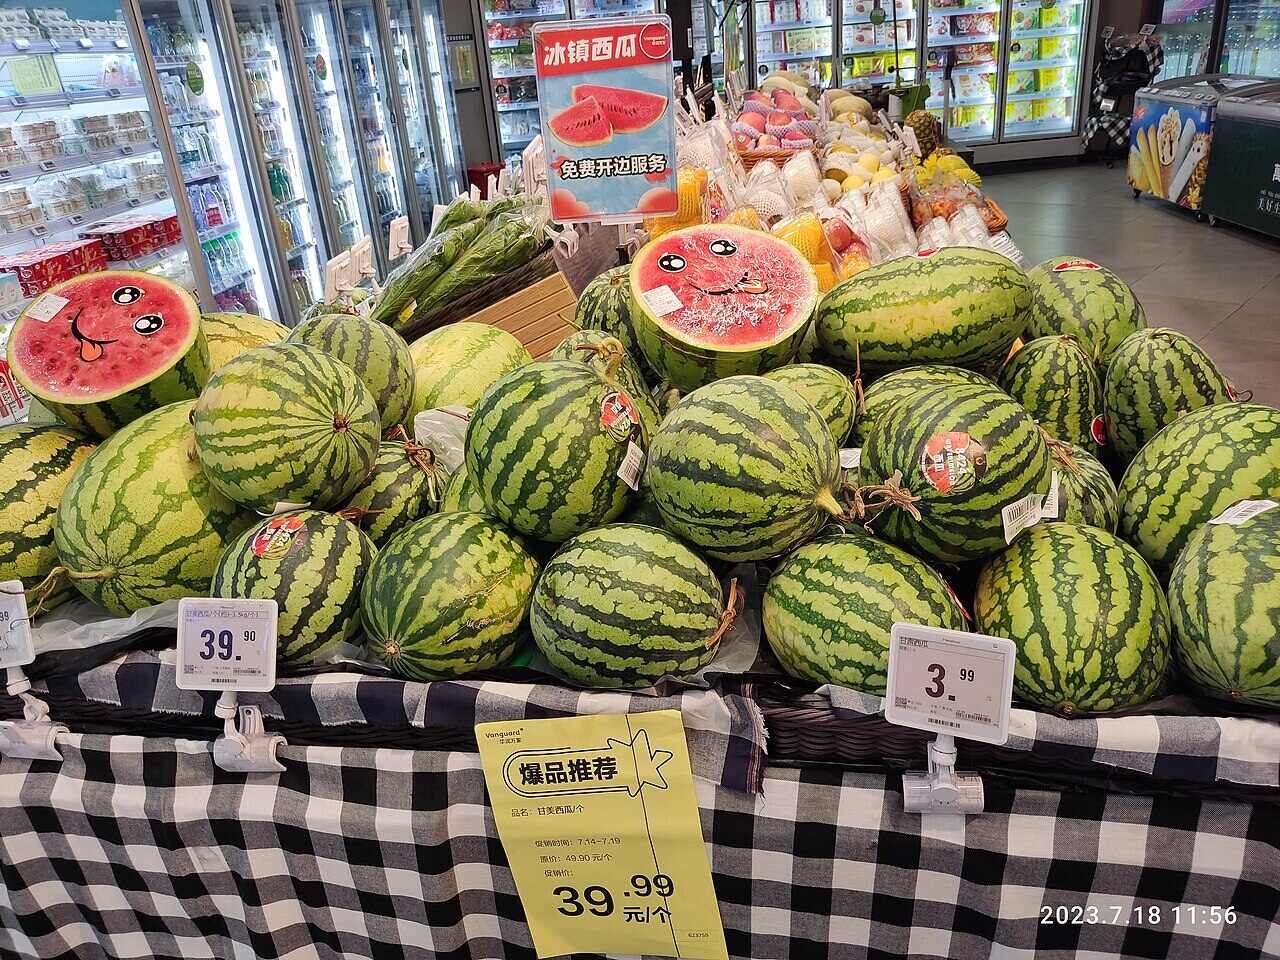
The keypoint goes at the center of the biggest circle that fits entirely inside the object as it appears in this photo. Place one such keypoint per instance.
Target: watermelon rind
(829, 391)
(1087, 614)
(407, 484)
(461, 494)
(830, 606)
(376, 353)
(1194, 469)
(744, 469)
(140, 522)
(605, 304)
(36, 464)
(286, 423)
(227, 335)
(625, 605)
(1224, 600)
(314, 573)
(961, 305)
(1057, 382)
(1086, 492)
(447, 596)
(918, 380)
(455, 364)
(1091, 304)
(590, 347)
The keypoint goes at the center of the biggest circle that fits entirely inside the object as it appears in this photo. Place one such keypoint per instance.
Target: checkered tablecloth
(140, 848)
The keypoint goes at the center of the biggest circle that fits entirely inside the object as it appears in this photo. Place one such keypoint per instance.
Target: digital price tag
(226, 644)
(337, 275)
(949, 681)
(16, 649)
(598, 819)
(362, 259)
(398, 239)
(1147, 29)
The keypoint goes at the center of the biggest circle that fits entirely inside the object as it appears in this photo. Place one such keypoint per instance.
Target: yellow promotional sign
(600, 824)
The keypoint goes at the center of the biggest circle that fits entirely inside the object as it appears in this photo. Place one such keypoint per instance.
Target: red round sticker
(618, 414)
(953, 462)
(277, 537)
(655, 41)
(1099, 430)
(1075, 263)
(926, 252)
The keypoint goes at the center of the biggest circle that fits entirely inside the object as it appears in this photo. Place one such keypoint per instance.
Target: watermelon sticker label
(662, 300)
(632, 465)
(1244, 510)
(1098, 430)
(16, 649)
(1075, 263)
(605, 101)
(618, 415)
(953, 462)
(46, 307)
(278, 537)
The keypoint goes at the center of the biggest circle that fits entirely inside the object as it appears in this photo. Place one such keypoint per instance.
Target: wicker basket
(751, 157)
(996, 219)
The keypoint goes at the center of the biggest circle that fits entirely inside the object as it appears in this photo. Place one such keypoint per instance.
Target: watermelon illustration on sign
(582, 125)
(627, 111)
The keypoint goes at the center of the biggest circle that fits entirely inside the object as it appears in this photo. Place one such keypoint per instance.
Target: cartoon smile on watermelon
(711, 272)
(145, 325)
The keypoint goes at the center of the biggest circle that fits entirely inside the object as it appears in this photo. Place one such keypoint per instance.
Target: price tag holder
(337, 275)
(362, 259)
(227, 645)
(598, 819)
(1147, 29)
(398, 239)
(16, 648)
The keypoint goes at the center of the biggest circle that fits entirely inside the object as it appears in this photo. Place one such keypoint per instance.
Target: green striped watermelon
(1058, 384)
(626, 605)
(116, 345)
(1087, 614)
(407, 484)
(1086, 492)
(378, 355)
(644, 511)
(718, 300)
(964, 453)
(1194, 469)
(312, 564)
(744, 469)
(591, 347)
(1154, 377)
(455, 364)
(605, 304)
(829, 607)
(140, 523)
(960, 305)
(461, 494)
(36, 464)
(545, 445)
(446, 597)
(227, 335)
(1079, 298)
(906, 384)
(286, 423)
(829, 390)
(1224, 599)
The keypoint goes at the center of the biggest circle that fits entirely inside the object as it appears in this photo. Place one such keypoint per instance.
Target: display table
(138, 846)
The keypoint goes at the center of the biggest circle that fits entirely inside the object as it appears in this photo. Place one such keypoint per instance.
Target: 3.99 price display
(597, 900)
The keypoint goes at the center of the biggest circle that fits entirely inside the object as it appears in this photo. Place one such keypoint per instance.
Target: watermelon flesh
(628, 111)
(582, 125)
(123, 344)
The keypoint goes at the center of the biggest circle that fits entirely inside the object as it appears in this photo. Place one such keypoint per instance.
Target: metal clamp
(34, 737)
(249, 749)
(941, 789)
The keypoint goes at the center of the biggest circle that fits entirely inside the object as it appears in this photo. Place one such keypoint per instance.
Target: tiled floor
(1221, 285)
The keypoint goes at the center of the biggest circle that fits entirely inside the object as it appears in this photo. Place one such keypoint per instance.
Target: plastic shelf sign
(608, 122)
(599, 821)
(16, 649)
(226, 644)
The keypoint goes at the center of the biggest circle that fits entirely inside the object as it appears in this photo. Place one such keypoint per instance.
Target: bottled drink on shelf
(212, 208)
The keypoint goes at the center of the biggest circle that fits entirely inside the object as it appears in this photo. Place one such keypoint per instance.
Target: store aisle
(1221, 285)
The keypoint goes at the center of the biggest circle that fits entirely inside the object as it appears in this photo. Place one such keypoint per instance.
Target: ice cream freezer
(1172, 133)
(1243, 184)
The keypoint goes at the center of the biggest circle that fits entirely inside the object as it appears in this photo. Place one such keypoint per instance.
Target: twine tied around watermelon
(732, 610)
(1061, 452)
(45, 588)
(424, 458)
(357, 514)
(873, 499)
(859, 396)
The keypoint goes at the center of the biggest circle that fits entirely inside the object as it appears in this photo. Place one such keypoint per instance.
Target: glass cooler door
(968, 35)
(875, 50)
(794, 35)
(1044, 68)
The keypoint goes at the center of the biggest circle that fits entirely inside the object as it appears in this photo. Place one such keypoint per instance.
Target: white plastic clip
(249, 749)
(34, 736)
(941, 789)
(565, 240)
(632, 239)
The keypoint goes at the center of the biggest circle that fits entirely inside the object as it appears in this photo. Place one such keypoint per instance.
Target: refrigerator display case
(1251, 38)
(1186, 31)
(1042, 85)
(875, 50)
(795, 35)
(1239, 37)
(592, 9)
(1240, 186)
(508, 26)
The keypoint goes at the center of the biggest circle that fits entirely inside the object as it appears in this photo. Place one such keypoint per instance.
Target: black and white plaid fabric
(141, 848)
(1116, 125)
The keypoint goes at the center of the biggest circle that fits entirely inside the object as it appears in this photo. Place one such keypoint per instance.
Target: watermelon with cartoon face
(102, 349)
(717, 300)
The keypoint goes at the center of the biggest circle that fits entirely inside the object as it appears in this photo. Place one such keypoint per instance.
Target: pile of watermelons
(884, 452)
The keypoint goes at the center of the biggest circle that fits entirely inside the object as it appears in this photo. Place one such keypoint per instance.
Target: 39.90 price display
(226, 644)
(597, 900)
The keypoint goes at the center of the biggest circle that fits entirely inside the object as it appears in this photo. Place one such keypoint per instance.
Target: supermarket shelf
(973, 68)
(785, 57)
(26, 171)
(269, 106)
(311, 51)
(261, 59)
(1033, 127)
(524, 14)
(45, 100)
(187, 121)
(505, 44)
(293, 202)
(1043, 64)
(298, 249)
(388, 217)
(50, 229)
(935, 42)
(149, 260)
(82, 45)
(877, 77)
(792, 25)
(271, 156)
(1038, 3)
(358, 48)
(218, 232)
(936, 102)
(516, 107)
(974, 8)
(235, 281)
(507, 74)
(1041, 95)
(520, 143)
(176, 63)
(904, 16)
(1045, 32)
(972, 131)
(335, 187)
(620, 10)
(876, 48)
(205, 172)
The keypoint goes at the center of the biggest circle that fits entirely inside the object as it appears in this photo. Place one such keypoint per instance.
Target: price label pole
(230, 646)
(34, 737)
(955, 684)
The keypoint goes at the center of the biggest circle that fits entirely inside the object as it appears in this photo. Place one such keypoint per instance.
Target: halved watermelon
(717, 300)
(115, 345)
(628, 111)
(581, 125)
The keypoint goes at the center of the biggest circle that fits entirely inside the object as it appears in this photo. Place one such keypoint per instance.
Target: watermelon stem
(45, 588)
(873, 499)
(611, 351)
(828, 502)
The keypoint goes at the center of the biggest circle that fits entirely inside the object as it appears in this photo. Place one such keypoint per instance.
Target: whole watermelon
(906, 384)
(1154, 377)
(744, 469)
(312, 564)
(407, 484)
(140, 522)
(1086, 492)
(829, 390)
(625, 605)
(1087, 614)
(286, 424)
(605, 304)
(1194, 469)
(461, 494)
(545, 445)
(1077, 297)
(960, 305)
(591, 347)
(829, 607)
(227, 335)
(455, 364)
(1224, 599)
(1058, 384)
(36, 464)
(378, 355)
(446, 597)
(960, 455)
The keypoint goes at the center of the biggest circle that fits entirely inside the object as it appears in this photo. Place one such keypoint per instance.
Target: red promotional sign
(588, 49)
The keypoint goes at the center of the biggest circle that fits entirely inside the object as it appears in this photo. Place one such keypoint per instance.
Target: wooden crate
(540, 316)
